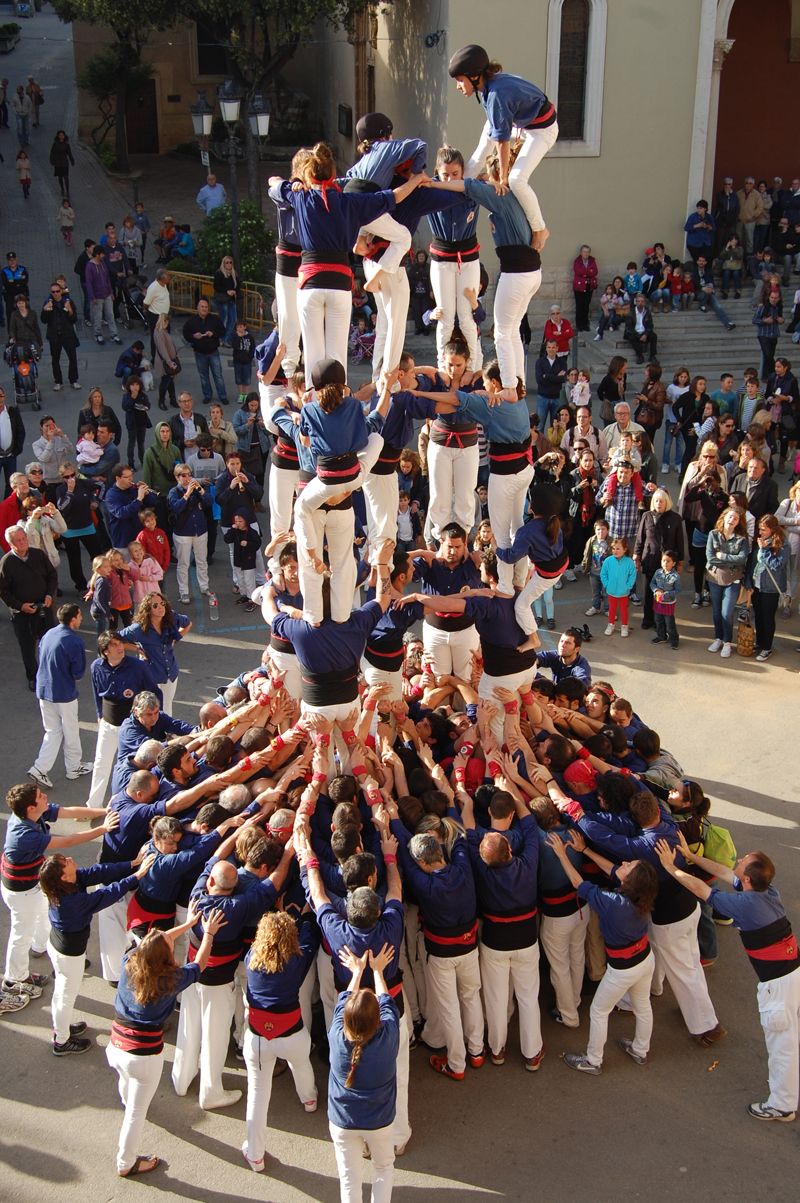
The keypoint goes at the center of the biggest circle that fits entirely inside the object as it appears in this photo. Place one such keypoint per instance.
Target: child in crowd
(676, 286)
(483, 502)
(244, 346)
(596, 551)
(632, 281)
(121, 579)
(43, 524)
(153, 539)
(484, 539)
(581, 393)
(99, 591)
(66, 220)
(666, 585)
(136, 405)
(618, 575)
(150, 572)
(61, 281)
(88, 449)
(687, 292)
(246, 543)
(24, 172)
(361, 341)
(626, 451)
(142, 222)
(131, 238)
(663, 290)
(409, 524)
(610, 483)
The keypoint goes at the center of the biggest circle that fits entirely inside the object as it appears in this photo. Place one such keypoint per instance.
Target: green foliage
(100, 76)
(107, 157)
(255, 242)
(9, 30)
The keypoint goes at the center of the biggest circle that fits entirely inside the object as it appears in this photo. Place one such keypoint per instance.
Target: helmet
(328, 371)
(373, 126)
(471, 61)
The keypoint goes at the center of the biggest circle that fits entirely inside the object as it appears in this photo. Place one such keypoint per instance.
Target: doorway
(141, 120)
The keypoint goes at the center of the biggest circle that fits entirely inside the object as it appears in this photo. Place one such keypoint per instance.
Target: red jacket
(584, 275)
(562, 337)
(156, 544)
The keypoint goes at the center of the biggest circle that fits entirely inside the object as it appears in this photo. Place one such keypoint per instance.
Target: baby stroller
(22, 359)
(132, 290)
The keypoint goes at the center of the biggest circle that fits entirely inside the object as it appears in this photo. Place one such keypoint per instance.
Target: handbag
(784, 599)
(745, 637)
(723, 576)
(172, 369)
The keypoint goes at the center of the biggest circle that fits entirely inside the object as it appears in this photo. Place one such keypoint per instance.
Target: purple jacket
(98, 283)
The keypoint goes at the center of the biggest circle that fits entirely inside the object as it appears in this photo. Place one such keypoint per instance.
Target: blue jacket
(123, 506)
(668, 582)
(549, 380)
(74, 912)
(136, 410)
(62, 663)
(122, 682)
(195, 524)
(699, 237)
(510, 100)
(509, 223)
(337, 433)
(382, 161)
(370, 1101)
(158, 649)
(447, 896)
(508, 422)
(514, 885)
(618, 576)
(531, 540)
(244, 432)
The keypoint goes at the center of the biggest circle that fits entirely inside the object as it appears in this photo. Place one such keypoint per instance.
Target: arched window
(576, 57)
(573, 61)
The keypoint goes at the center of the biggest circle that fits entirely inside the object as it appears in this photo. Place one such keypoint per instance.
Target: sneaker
(764, 1111)
(99, 339)
(184, 601)
(598, 338)
(659, 639)
(83, 770)
(256, 1166)
(624, 632)
(27, 988)
(627, 1047)
(251, 605)
(707, 961)
(499, 1058)
(764, 654)
(551, 624)
(709, 1038)
(636, 599)
(77, 1029)
(559, 584)
(587, 634)
(74, 1045)
(440, 1065)
(579, 1061)
(665, 469)
(609, 629)
(311, 1107)
(697, 602)
(116, 339)
(590, 613)
(570, 575)
(12, 1002)
(715, 646)
(555, 1014)
(533, 1063)
(730, 326)
(57, 388)
(38, 979)
(477, 1061)
(706, 598)
(726, 651)
(40, 778)
(75, 384)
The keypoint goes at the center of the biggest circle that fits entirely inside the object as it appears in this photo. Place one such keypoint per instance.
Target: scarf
(588, 505)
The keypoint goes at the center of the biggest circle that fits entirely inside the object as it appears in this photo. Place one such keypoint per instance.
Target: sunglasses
(36, 472)
(68, 476)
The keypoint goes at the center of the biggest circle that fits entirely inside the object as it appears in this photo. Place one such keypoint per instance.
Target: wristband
(510, 707)
(245, 764)
(370, 704)
(466, 749)
(494, 769)
(625, 772)
(358, 770)
(460, 774)
(389, 858)
(582, 753)
(374, 796)
(263, 699)
(307, 777)
(312, 863)
(527, 698)
(416, 691)
(319, 777)
(277, 742)
(350, 738)
(322, 739)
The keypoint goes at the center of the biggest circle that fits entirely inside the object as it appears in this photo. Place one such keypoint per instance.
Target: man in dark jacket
(704, 290)
(28, 583)
(186, 425)
(203, 333)
(123, 503)
(235, 490)
(12, 439)
(551, 372)
(59, 317)
(80, 272)
(639, 329)
(761, 491)
(726, 213)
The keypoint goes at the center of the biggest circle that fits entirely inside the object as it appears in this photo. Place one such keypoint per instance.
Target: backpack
(718, 845)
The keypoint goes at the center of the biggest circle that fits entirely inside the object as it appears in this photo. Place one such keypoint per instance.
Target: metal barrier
(255, 304)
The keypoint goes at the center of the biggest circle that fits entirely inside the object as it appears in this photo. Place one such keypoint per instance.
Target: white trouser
(320, 491)
(414, 983)
(454, 985)
(779, 1009)
(138, 1083)
(112, 928)
(512, 681)
(269, 395)
(184, 545)
(512, 297)
(306, 996)
(105, 754)
(507, 495)
(327, 986)
(337, 711)
(536, 144)
(678, 957)
(382, 495)
(168, 691)
(536, 586)
(285, 662)
(325, 325)
(451, 650)
(563, 939)
(30, 928)
(399, 238)
(348, 1145)
(392, 315)
(281, 487)
(379, 676)
(180, 947)
(288, 321)
(338, 526)
(246, 580)
(449, 279)
(204, 1031)
(66, 987)
(453, 477)
(401, 1129)
(60, 722)
(261, 568)
(260, 1056)
(240, 1006)
(502, 972)
(635, 983)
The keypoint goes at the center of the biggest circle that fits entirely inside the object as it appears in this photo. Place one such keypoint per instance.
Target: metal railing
(255, 300)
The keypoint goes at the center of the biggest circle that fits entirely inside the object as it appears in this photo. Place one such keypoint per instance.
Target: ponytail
(553, 528)
(494, 68)
(360, 1022)
(319, 165)
(355, 1057)
(330, 397)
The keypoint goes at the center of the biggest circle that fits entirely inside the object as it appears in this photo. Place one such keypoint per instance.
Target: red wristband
(277, 742)
(263, 699)
(466, 749)
(416, 691)
(307, 777)
(370, 704)
(350, 738)
(312, 863)
(320, 777)
(461, 774)
(358, 770)
(510, 707)
(583, 753)
(374, 796)
(494, 769)
(527, 698)
(245, 764)
(389, 858)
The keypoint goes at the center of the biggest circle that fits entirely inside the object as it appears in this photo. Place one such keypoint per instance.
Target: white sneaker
(310, 1107)
(570, 575)
(716, 645)
(229, 1099)
(256, 1166)
(590, 613)
(75, 384)
(57, 388)
(40, 778)
(598, 338)
(624, 632)
(609, 629)
(726, 651)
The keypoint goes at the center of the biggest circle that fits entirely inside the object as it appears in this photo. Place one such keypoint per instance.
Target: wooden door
(141, 120)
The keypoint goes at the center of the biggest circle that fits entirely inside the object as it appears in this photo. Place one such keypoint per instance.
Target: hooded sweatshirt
(159, 464)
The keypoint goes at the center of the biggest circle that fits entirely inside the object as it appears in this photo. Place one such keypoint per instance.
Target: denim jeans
(599, 596)
(227, 314)
(666, 628)
(242, 373)
(608, 322)
(660, 294)
(23, 130)
(709, 298)
(546, 408)
(669, 438)
(549, 605)
(737, 279)
(723, 602)
(206, 363)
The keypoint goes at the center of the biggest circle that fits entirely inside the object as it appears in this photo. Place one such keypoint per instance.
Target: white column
(702, 101)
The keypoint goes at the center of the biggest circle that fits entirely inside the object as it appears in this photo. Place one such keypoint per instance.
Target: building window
(211, 57)
(572, 65)
(576, 52)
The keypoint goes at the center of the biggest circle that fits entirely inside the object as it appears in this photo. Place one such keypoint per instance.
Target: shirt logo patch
(127, 693)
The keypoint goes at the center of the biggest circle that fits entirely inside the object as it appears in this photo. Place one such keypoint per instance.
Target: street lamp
(202, 117)
(258, 111)
(230, 98)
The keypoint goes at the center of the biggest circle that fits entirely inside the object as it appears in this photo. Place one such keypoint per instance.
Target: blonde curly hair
(275, 944)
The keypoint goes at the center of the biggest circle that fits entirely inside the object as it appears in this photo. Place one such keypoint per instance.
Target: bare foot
(539, 239)
(531, 643)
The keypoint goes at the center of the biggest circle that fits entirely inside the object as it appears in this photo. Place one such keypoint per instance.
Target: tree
(214, 240)
(260, 37)
(130, 21)
(100, 79)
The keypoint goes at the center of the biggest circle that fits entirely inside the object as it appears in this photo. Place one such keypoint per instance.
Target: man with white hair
(622, 424)
(28, 583)
(234, 799)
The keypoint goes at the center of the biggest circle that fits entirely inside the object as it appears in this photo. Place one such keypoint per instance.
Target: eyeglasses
(157, 605)
(55, 292)
(68, 476)
(36, 472)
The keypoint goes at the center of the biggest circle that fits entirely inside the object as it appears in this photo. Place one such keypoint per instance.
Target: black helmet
(471, 61)
(373, 126)
(328, 371)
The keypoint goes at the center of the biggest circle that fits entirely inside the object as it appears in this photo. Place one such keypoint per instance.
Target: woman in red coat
(558, 328)
(584, 282)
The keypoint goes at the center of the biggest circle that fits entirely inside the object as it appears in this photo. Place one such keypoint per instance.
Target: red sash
(307, 270)
(625, 954)
(783, 950)
(142, 1042)
(137, 915)
(271, 1024)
